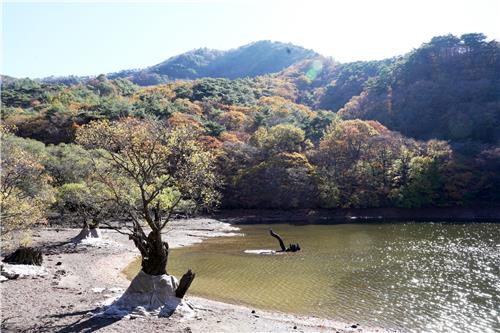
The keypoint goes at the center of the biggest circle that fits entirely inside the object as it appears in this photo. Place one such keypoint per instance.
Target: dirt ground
(80, 278)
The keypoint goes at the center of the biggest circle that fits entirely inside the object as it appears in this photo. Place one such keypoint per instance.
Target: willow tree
(149, 171)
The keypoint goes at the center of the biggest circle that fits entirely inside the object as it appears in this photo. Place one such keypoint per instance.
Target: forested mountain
(447, 89)
(292, 138)
(251, 60)
(323, 83)
(258, 58)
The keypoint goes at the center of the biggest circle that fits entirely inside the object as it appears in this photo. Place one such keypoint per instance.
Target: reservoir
(412, 277)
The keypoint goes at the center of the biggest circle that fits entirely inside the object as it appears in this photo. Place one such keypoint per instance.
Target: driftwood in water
(278, 237)
(184, 284)
(25, 256)
(291, 247)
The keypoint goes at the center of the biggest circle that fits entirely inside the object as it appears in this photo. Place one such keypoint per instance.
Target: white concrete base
(149, 295)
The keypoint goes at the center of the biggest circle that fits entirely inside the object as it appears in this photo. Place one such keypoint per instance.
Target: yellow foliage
(25, 190)
(180, 119)
(233, 120)
(229, 137)
(189, 107)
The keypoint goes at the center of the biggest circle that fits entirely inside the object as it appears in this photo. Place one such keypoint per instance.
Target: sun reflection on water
(412, 277)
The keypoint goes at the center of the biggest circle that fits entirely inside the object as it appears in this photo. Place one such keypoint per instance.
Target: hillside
(419, 130)
(323, 83)
(258, 58)
(447, 89)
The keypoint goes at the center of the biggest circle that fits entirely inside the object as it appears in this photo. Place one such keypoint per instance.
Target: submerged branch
(278, 237)
(291, 248)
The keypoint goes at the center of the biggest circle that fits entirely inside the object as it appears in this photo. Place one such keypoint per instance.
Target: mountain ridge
(249, 60)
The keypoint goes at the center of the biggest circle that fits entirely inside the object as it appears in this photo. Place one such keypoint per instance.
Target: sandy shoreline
(80, 278)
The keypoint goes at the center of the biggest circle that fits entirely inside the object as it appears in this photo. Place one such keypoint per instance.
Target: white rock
(115, 290)
(98, 290)
(24, 271)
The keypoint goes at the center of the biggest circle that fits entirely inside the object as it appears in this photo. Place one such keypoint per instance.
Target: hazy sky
(87, 38)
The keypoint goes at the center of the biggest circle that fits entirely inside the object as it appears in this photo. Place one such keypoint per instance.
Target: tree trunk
(89, 230)
(154, 252)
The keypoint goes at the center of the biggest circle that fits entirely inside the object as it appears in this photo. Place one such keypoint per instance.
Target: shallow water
(411, 276)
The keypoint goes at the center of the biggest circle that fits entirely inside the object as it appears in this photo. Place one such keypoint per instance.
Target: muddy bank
(326, 216)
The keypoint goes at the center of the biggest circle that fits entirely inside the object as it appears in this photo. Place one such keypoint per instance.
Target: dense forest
(295, 130)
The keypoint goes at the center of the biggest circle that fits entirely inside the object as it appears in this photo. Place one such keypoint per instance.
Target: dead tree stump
(25, 256)
(184, 284)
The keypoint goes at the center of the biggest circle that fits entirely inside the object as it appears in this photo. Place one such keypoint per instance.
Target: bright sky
(87, 38)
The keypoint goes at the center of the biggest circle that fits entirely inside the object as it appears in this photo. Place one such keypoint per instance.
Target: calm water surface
(412, 277)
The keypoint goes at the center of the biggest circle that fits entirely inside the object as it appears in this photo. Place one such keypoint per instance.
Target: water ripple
(411, 277)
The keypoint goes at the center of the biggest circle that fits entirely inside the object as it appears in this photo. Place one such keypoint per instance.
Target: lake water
(415, 277)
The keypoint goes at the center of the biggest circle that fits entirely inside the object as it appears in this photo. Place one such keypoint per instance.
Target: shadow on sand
(89, 324)
(86, 322)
